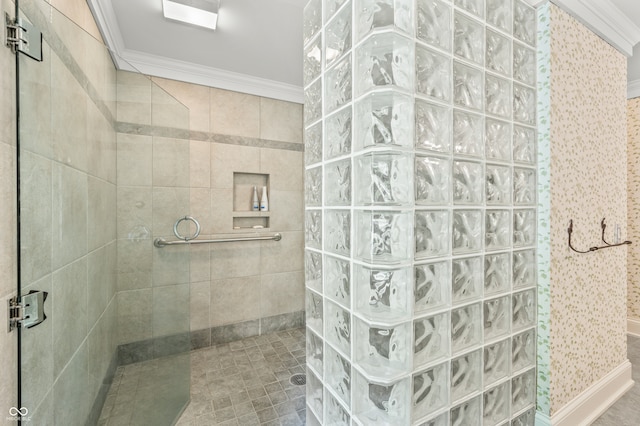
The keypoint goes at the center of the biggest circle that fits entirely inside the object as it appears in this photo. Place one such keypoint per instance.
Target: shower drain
(298, 379)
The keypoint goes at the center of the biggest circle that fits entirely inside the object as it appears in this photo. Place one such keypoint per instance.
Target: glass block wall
(420, 220)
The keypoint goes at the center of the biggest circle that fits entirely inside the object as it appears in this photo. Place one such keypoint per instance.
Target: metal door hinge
(21, 36)
(28, 312)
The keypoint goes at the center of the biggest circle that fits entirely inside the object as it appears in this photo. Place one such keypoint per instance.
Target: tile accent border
(170, 132)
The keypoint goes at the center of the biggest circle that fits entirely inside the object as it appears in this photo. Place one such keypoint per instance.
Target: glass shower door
(115, 341)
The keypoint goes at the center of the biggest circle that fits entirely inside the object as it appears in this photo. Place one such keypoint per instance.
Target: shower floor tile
(241, 383)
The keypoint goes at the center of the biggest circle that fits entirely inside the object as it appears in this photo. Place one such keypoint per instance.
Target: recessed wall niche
(244, 217)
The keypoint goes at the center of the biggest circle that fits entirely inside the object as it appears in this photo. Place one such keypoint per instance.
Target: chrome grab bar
(161, 242)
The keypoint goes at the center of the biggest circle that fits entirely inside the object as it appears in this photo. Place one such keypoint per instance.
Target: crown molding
(633, 89)
(606, 20)
(159, 66)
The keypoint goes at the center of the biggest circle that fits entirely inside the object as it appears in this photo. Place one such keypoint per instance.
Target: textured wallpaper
(588, 182)
(633, 265)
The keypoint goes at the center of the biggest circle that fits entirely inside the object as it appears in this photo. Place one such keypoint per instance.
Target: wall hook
(594, 248)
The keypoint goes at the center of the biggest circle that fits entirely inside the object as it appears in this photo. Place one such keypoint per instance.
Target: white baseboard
(633, 326)
(596, 399)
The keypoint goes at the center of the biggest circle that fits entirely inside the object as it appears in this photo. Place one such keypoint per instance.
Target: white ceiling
(257, 47)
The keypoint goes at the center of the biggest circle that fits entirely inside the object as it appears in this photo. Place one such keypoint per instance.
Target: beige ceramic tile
(200, 261)
(135, 263)
(200, 301)
(287, 210)
(193, 96)
(135, 160)
(8, 91)
(280, 120)
(234, 300)
(230, 260)
(133, 98)
(102, 265)
(227, 159)
(200, 164)
(8, 358)
(8, 223)
(71, 388)
(284, 169)
(170, 310)
(234, 113)
(101, 146)
(170, 266)
(170, 162)
(221, 210)
(134, 315)
(285, 255)
(274, 287)
(167, 111)
(169, 205)
(134, 216)
(101, 213)
(201, 209)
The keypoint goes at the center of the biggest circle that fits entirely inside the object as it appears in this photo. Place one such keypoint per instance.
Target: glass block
(431, 341)
(382, 404)
(313, 144)
(497, 227)
(498, 185)
(433, 127)
(383, 178)
(313, 187)
(384, 60)
(338, 327)
(430, 392)
(523, 390)
(383, 351)
(467, 413)
(433, 74)
(313, 102)
(466, 329)
(474, 6)
(524, 309)
(337, 374)
(337, 283)
(524, 186)
(467, 231)
(468, 133)
(338, 232)
(524, 142)
(337, 85)
(312, 60)
(432, 180)
(313, 270)
(338, 36)
(499, 14)
(313, 311)
(468, 38)
(523, 350)
(337, 183)
(497, 273)
(524, 64)
(440, 420)
(468, 182)
(498, 94)
(466, 377)
(383, 236)
(380, 14)
(524, 104)
(338, 131)
(524, 268)
(524, 22)
(432, 233)
(498, 51)
(496, 317)
(331, 7)
(524, 227)
(312, 19)
(434, 23)
(498, 139)
(495, 403)
(314, 352)
(528, 418)
(432, 288)
(335, 414)
(313, 229)
(496, 362)
(466, 279)
(383, 294)
(468, 89)
(314, 392)
(384, 119)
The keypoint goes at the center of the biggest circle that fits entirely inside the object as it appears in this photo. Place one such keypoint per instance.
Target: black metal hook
(594, 248)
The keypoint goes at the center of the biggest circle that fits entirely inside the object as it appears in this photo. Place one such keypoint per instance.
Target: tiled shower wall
(236, 289)
(420, 220)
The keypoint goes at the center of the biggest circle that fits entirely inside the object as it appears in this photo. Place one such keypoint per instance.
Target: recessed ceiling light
(203, 13)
